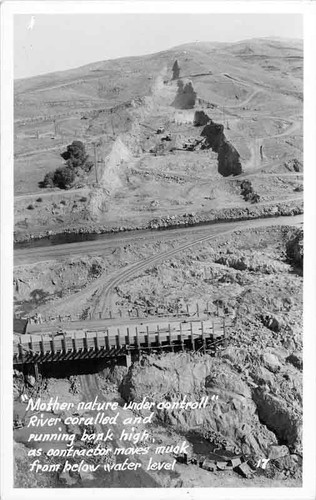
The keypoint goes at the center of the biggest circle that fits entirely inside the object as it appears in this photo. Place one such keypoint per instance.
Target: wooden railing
(115, 341)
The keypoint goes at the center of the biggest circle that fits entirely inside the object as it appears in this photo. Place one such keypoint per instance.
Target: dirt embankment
(231, 214)
(36, 285)
(291, 207)
(228, 156)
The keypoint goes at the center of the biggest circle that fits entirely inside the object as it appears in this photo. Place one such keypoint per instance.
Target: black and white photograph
(158, 243)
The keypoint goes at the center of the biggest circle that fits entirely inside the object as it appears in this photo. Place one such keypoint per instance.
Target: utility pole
(95, 162)
(111, 119)
(56, 128)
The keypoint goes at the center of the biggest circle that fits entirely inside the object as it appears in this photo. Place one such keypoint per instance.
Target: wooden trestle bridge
(120, 340)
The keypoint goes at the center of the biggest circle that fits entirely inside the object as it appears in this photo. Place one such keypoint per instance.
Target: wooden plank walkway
(116, 340)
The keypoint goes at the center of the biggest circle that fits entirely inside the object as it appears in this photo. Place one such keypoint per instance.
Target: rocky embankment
(187, 219)
(255, 276)
(247, 418)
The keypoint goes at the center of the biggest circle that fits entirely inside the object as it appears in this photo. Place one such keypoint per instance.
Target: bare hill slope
(250, 90)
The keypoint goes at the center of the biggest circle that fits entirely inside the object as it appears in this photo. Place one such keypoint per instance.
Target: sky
(54, 42)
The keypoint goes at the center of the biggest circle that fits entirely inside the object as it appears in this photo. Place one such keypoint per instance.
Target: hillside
(215, 137)
(252, 88)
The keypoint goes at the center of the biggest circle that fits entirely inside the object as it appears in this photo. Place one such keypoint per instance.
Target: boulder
(262, 375)
(278, 416)
(271, 362)
(16, 393)
(278, 452)
(232, 417)
(86, 476)
(296, 360)
(65, 478)
(272, 322)
(244, 470)
(31, 380)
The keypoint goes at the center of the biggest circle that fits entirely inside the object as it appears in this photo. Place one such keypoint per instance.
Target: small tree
(64, 177)
(75, 155)
(77, 161)
(48, 180)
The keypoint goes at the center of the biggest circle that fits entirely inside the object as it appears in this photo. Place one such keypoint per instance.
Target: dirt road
(102, 286)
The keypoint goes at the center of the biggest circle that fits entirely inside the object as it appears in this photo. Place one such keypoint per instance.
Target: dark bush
(30, 206)
(248, 192)
(49, 180)
(75, 156)
(95, 270)
(64, 177)
(76, 160)
(295, 248)
(39, 200)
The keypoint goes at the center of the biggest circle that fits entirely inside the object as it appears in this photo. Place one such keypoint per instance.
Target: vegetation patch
(77, 164)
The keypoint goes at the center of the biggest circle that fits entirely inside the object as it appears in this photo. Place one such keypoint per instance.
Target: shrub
(64, 177)
(295, 248)
(95, 270)
(30, 206)
(75, 156)
(49, 180)
(76, 159)
(39, 200)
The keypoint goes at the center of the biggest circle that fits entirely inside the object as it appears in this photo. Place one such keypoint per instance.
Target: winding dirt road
(102, 286)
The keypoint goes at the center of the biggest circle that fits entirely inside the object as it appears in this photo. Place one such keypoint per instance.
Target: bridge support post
(158, 336)
(128, 360)
(203, 337)
(147, 332)
(36, 372)
(119, 338)
(170, 339)
(181, 339)
(192, 338)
